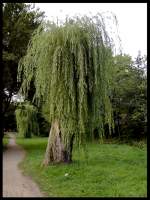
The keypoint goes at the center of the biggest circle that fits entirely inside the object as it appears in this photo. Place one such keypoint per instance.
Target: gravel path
(15, 184)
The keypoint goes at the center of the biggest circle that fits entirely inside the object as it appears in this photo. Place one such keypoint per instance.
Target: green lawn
(111, 170)
(5, 141)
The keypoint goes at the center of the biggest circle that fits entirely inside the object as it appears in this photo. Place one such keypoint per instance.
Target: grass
(5, 141)
(111, 170)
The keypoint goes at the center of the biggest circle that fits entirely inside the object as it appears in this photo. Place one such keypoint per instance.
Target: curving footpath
(15, 184)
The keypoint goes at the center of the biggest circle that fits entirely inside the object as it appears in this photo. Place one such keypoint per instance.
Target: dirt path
(15, 184)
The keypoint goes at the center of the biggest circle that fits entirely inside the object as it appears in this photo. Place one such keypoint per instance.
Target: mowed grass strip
(5, 141)
(111, 170)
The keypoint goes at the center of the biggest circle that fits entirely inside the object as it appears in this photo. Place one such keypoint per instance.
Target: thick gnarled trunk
(56, 151)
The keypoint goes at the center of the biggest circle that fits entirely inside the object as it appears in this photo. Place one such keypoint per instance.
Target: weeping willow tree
(26, 118)
(70, 66)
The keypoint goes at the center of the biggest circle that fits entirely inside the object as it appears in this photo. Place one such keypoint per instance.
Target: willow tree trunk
(56, 151)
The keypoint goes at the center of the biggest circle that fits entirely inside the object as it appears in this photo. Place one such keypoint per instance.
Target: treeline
(129, 97)
(128, 82)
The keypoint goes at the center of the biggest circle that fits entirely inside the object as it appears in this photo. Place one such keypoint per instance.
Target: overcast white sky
(132, 20)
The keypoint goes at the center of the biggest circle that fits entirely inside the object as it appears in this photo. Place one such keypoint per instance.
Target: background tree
(70, 66)
(129, 97)
(10, 119)
(26, 117)
(19, 21)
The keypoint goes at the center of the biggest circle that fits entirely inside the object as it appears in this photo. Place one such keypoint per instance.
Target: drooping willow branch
(26, 118)
(70, 66)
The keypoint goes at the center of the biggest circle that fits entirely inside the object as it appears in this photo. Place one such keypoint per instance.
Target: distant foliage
(129, 97)
(18, 23)
(26, 117)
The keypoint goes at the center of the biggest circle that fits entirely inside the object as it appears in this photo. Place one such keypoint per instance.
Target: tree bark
(56, 151)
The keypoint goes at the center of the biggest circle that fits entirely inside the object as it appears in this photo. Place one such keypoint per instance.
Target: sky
(131, 17)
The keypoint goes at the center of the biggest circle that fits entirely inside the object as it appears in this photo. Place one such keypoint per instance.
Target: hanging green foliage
(26, 117)
(70, 65)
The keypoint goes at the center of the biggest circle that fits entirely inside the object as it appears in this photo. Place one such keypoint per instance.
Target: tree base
(56, 151)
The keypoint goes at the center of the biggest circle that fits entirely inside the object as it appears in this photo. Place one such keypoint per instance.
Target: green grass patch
(111, 170)
(5, 141)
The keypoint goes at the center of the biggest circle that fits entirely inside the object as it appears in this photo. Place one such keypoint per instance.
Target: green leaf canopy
(70, 65)
(26, 118)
